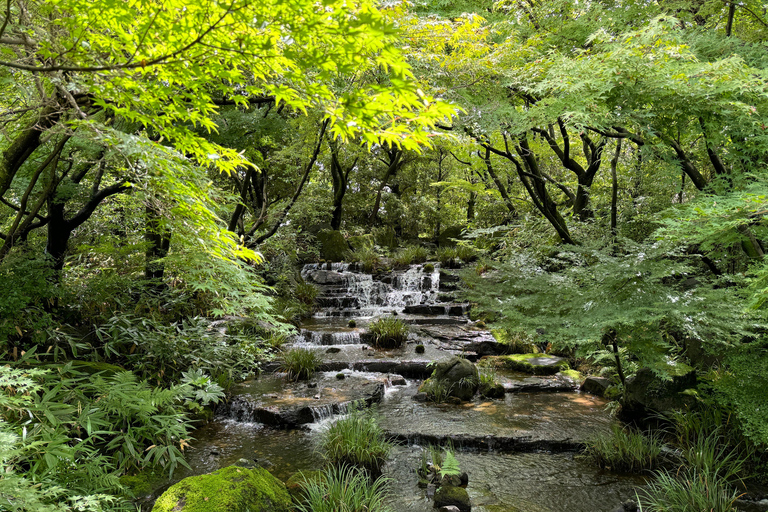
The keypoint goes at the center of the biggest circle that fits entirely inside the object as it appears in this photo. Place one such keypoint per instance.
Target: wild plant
(389, 332)
(690, 489)
(624, 449)
(356, 440)
(368, 257)
(299, 363)
(411, 254)
(344, 488)
(306, 293)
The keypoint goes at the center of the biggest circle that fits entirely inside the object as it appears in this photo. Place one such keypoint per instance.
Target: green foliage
(356, 440)
(344, 488)
(577, 296)
(389, 332)
(27, 290)
(299, 363)
(163, 352)
(305, 293)
(437, 463)
(75, 433)
(367, 256)
(741, 385)
(689, 490)
(411, 254)
(624, 449)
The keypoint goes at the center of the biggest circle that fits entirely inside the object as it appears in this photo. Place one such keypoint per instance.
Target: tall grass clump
(411, 254)
(389, 332)
(625, 450)
(299, 363)
(368, 257)
(344, 489)
(687, 491)
(356, 440)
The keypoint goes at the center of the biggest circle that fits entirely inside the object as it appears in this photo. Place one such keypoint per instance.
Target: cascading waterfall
(348, 292)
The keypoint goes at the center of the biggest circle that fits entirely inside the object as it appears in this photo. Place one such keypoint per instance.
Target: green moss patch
(572, 374)
(143, 483)
(233, 489)
(448, 495)
(536, 364)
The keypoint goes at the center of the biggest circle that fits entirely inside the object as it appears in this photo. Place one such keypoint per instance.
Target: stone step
(437, 309)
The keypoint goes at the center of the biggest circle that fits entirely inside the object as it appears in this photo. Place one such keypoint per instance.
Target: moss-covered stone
(298, 481)
(573, 375)
(232, 489)
(448, 495)
(143, 483)
(493, 390)
(536, 364)
(333, 245)
(429, 268)
(456, 377)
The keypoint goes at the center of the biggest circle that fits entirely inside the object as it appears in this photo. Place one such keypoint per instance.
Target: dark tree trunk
(158, 240)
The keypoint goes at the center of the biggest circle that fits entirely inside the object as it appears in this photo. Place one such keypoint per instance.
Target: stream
(521, 452)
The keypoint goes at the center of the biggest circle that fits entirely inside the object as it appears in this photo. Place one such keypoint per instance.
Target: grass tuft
(625, 450)
(389, 332)
(411, 254)
(356, 440)
(346, 489)
(299, 363)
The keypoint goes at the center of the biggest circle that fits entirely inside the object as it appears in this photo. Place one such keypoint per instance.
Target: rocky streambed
(520, 450)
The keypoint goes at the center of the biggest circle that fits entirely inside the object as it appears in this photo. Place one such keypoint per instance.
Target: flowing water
(520, 452)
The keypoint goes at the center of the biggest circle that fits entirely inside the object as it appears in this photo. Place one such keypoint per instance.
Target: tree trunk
(158, 243)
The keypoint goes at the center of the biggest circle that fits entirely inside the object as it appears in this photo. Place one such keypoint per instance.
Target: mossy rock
(232, 489)
(333, 245)
(573, 375)
(536, 364)
(456, 377)
(297, 482)
(143, 483)
(448, 495)
(492, 390)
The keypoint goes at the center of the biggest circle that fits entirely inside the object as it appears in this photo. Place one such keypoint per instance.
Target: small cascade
(321, 412)
(308, 337)
(345, 291)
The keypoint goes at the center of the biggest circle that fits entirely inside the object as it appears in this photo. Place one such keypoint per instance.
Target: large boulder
(456, 377)
(333, 245)
(448, 495)
(647, 393)
(233, 489)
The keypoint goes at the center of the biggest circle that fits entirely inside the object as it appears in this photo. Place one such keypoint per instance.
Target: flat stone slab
(536, 364)
(521, 422)
(539, 384)
(272, 401)
(437, 309)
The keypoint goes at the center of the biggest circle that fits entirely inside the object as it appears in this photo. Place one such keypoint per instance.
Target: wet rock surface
(521, 441)
(274, 402)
